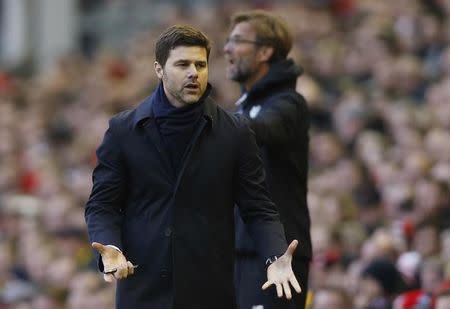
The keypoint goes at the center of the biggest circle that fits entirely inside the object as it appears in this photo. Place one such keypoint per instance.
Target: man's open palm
(115, 263)
(281, 275)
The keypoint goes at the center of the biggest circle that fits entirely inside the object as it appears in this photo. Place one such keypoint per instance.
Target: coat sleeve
(279, 120)
(257, 210)
(103, 213)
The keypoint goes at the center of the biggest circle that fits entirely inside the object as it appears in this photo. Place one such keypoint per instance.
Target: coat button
(168, 232)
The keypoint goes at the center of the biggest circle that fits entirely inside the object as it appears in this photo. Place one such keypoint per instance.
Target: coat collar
(144, 111)
(282, 76)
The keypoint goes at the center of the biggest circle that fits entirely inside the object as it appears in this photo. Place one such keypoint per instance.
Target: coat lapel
(152, 134)
(208, 119)
(144, 119)
(187, 154)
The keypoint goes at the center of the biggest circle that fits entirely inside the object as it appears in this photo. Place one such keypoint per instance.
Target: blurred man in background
(256, 53)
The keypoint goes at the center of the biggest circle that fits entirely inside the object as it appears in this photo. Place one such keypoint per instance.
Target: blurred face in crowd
(445, 244)
(431, 275)
(426, 240)
(326, 299)
(5, 260)
(369, 289)
(245, 56)
(43, 301)
(443, 302)
(351, 284)
(184, 75)
(326, 149)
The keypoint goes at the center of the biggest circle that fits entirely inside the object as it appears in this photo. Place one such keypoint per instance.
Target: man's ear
(158, 69)
(265, 53)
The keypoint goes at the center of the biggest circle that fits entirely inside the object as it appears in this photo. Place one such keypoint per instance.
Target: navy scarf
(176, 124)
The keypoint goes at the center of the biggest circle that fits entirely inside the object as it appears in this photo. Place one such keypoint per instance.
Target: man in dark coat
(168, 175)
(256, 53)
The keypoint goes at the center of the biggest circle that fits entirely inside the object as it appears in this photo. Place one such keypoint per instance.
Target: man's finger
(291, 249)
(287, 290)
(109, 278)
(99, 247)
(122, 271)
(279, 290)
(131, 268)
(110, 271)
(295, 284)
(266, 285)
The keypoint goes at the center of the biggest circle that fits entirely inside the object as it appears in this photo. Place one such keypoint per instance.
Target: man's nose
(193, 72)
(227, 47)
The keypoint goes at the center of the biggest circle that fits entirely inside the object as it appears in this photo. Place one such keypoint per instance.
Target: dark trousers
(250, 275)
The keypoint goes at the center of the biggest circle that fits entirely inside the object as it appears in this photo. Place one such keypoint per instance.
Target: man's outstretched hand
(115, 263)
(281, 275)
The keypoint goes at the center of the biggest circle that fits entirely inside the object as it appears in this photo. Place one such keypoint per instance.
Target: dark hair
(386, 274)
(177, 35)
(271, 30)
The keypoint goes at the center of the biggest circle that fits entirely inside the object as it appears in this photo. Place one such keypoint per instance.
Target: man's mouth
(192, 86)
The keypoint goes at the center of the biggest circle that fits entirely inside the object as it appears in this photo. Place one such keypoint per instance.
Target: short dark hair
(271, 30)
(179, 35)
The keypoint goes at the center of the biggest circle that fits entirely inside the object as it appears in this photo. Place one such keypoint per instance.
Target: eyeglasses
(236, 41)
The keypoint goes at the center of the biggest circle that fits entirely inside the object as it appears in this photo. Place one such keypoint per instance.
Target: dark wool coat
(180, 229)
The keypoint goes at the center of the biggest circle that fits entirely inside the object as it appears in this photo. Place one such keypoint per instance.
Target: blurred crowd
(377, 80)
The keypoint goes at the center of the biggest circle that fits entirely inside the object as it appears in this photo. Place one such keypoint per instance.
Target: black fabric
(281, 130)
(180, 232)
(281, 78)
(279, 116)
(176, 125)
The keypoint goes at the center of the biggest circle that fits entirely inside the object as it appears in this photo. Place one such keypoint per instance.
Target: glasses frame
(236, 41)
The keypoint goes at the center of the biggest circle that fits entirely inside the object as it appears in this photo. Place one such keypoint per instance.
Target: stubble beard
(240, 75)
